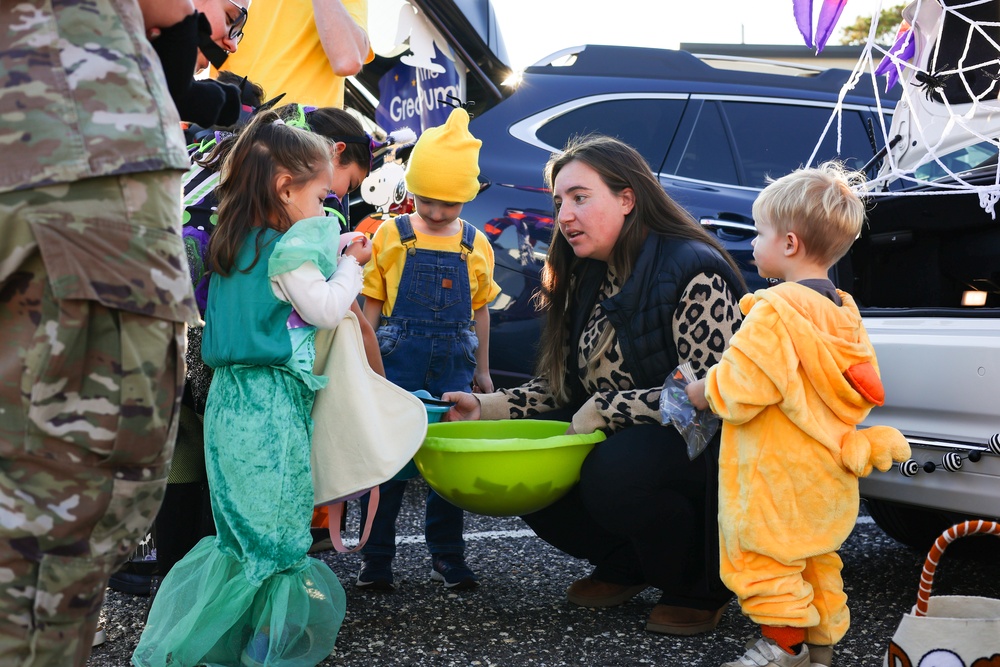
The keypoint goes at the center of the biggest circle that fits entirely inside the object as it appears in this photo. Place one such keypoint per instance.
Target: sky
(532, 29)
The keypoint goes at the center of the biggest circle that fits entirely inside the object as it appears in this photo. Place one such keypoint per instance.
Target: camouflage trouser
(89, 399)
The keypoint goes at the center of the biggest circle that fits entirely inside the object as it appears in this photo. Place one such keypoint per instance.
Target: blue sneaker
(451, 570)
(375, 574)
(255, 652)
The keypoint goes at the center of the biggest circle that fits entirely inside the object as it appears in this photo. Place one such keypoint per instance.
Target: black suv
(713, 128)
(926, 269)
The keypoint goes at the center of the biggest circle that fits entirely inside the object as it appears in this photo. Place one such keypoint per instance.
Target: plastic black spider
(932, 83)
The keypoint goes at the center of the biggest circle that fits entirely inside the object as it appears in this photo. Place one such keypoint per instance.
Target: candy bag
(696, 426)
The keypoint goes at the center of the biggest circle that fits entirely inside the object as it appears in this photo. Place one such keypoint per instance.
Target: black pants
(643, 513)
(186, 513)
(185, 517)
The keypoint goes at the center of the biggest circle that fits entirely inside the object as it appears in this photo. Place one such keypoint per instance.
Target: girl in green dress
(251, 595)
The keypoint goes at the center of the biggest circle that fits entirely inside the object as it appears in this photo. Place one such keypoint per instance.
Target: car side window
(855, 147)
(775, 139)
(708, 155)
(646, 124)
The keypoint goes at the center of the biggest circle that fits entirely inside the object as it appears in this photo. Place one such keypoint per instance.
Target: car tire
(918, 527)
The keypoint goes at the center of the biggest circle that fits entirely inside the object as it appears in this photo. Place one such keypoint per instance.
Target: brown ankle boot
(589, 592)
(667, 619)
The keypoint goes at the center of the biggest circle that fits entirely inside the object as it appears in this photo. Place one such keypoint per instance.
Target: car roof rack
(761, 65)
(652, 63)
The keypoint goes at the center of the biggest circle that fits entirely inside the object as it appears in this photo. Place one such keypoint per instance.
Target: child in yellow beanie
(426, 291)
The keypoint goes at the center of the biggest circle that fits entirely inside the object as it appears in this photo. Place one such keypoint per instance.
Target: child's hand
(346, 239)
(360, 248)
(482, 383)
(696, 394)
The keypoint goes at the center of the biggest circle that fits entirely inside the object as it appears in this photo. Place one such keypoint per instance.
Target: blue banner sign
(412, 97)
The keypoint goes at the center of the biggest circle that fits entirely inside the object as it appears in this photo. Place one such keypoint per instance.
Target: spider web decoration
(948, 68)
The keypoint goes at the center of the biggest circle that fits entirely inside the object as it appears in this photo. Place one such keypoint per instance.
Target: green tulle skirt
(251, 595)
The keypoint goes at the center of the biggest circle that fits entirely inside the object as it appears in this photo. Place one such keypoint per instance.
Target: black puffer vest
(642, 312)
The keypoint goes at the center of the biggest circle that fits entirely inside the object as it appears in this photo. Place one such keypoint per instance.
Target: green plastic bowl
(503, 468)
(434, 414)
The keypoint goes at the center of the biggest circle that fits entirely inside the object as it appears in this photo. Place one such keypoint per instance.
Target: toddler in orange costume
(797, 379)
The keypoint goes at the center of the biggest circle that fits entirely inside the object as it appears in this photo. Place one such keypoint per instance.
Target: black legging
(642, 513)
(186, 513)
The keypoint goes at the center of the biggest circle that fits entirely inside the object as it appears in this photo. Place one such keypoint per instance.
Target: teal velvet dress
(251, 595)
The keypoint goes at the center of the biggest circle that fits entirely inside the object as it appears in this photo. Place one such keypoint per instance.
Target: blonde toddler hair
(820, 205)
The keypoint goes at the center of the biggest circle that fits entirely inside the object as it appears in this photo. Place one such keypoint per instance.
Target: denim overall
(429, 342)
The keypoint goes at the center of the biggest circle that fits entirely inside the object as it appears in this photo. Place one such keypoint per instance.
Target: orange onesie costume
(788, 394)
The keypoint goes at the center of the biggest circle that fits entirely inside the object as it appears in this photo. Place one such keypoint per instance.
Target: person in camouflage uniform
(94, 297)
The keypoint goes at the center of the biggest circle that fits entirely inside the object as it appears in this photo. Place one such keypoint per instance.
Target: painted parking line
(506, 535)
(482, 535)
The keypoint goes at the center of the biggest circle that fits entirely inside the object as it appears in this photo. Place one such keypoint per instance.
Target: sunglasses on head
(236, 27)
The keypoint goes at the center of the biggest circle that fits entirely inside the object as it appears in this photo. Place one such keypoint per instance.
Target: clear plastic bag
(697, 427)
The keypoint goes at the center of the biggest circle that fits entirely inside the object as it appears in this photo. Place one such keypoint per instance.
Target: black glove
(207, 102)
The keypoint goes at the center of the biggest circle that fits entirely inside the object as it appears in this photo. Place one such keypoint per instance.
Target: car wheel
(918, 527)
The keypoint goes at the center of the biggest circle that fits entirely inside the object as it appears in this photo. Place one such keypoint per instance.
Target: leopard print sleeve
(528, 400)
(620, 409)
(707, 316)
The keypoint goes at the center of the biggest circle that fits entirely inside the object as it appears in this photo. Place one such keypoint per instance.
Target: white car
(940, 360)
(927, 275)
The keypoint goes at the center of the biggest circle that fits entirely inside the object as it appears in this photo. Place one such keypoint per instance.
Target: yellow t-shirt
(282, 52)
(385, 269)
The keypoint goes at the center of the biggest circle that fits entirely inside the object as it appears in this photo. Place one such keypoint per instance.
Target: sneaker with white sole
(451, 570)
(766, 653)
(100, 636)
(375, 574)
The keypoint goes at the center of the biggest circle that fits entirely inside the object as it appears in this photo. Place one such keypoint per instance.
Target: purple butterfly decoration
(829, 14)
(902, 51)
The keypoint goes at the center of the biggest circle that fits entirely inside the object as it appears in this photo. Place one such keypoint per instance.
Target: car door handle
(732, 230)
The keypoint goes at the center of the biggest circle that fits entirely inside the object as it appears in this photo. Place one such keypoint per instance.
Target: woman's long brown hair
(619, 166)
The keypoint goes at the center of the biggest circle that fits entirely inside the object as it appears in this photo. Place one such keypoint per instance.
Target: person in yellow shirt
(310, 46)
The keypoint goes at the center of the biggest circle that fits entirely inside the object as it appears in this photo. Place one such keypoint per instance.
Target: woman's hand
(466, 407)
(696, 394)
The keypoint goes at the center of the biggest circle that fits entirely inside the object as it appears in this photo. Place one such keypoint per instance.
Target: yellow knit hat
(444, 164)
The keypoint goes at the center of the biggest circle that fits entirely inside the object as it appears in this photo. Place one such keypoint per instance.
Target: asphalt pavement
(519, 614)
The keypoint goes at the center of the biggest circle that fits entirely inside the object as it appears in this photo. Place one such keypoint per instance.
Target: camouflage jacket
(82, 94)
